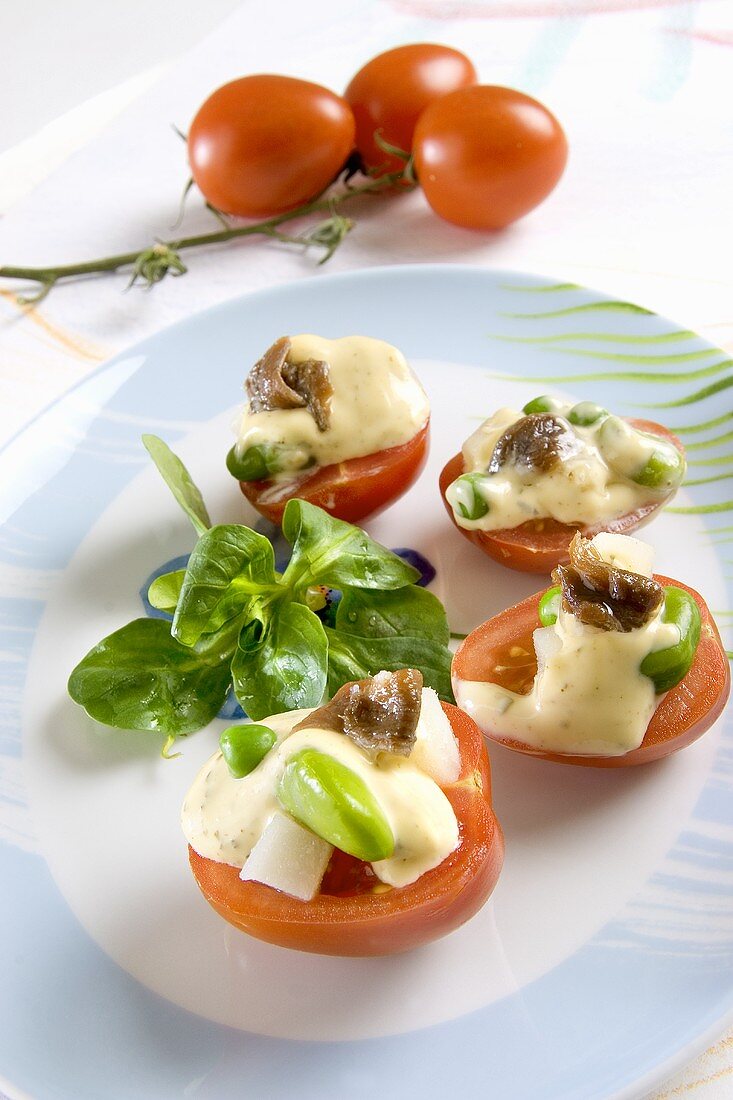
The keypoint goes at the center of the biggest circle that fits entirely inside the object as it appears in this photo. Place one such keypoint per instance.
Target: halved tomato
(538, 545)
(362, 916)
(501, 651)
(349, 490)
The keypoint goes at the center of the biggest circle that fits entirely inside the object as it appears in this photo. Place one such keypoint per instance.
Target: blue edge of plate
(114, 1038)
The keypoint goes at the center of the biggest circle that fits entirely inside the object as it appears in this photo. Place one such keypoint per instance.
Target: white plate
(605, 956)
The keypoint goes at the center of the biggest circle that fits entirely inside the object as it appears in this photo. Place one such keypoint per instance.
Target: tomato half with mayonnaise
(350, 490)
(501, 651)
(355, 914)
(538, 545)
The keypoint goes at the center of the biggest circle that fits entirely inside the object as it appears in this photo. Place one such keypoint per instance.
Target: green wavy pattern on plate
(693, 429)
(716, 441)
(643, 360)
(584, 307)
(665, 377)
(557, 342)
(706, 480)
(602, 337)
(718, 460)
(703, 509)
(691, 398)
(551, 288)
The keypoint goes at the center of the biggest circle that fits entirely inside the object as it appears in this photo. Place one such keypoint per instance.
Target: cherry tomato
(362, 918)
(487, 155)
(683, 715)
(390, 92)
(265, 144)
(349, 490)
(540, 544)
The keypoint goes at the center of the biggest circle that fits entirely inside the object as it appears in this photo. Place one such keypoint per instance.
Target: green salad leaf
(229, 564)
(331, 552)
(141, 678)
(164, 591)
(287, 668)
(178, 480)
(351, 657)
(238, 622)
(411, 612)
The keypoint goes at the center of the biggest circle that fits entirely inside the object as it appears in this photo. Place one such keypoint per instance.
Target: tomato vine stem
(151, 264)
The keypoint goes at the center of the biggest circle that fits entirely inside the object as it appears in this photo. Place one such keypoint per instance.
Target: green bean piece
(256, 463)
(549, 607)
(666, 667)
(543, 404)
(663, 470)
(469, 503)
(643, 458)
(244, 747)
(335, 803)
(586, 413)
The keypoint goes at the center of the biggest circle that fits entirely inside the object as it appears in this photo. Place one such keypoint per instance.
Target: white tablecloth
(642, 86)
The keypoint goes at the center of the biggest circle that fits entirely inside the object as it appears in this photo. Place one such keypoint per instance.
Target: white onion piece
(624, 552)
(435, 750)
(289, 858)
(546, 644)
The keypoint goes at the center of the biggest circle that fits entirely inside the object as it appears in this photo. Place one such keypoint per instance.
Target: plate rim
(661, 1072)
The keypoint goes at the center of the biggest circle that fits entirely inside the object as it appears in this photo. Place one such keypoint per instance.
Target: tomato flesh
(486, 155)
(359, 922)
(390, 92)
(538, 545)
(265, 144)
(349, 490)
(683, 715)
(349, 877)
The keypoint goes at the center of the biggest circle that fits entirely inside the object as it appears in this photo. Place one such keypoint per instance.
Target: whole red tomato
(265, 144)
(487, 155)
(391, 91)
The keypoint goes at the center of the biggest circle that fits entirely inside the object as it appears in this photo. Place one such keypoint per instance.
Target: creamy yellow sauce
(377, 403)
(589, 696)
(582, 489)
(223, 817)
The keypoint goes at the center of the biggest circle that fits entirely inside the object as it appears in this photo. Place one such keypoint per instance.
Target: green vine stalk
(151, 264)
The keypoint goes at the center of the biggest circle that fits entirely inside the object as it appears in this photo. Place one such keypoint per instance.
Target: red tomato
(487, 155)
(350, 490)
(265, 144)
(363, 920)
(391, 91)
(540, 544)
(501, 651)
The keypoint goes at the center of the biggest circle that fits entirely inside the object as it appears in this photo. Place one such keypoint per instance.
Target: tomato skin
(264, 144)
(684, 714)
(390, 92)
(486, 155)
(349, 490)
(532, 549)
(384, 923)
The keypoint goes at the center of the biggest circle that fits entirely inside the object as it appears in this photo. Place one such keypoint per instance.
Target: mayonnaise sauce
(377, 403)
(582, 489)
(223, 817)
(589, 696)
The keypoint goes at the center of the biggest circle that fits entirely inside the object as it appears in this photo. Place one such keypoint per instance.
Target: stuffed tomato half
(364, 827)
(343, 424)
(526, 481)
(612, 666)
